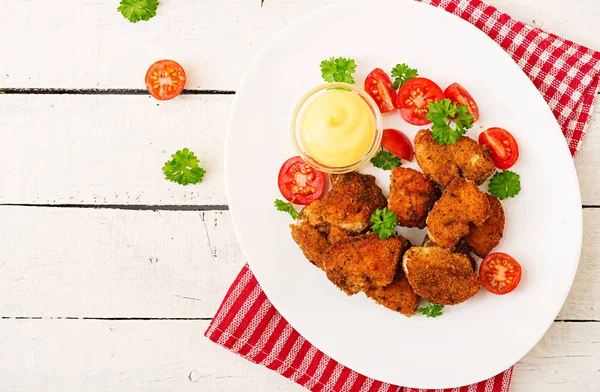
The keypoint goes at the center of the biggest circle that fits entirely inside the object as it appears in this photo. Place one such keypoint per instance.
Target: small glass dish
(299, 111)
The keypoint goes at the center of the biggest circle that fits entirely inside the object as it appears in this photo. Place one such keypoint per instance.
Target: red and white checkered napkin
(566, 74)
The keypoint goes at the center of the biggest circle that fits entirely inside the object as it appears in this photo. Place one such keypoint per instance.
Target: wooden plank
(57, 262)
(70, 149)
(215, 40)
(174, 356)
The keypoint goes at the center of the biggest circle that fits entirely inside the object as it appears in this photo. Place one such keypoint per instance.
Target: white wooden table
(109, 274)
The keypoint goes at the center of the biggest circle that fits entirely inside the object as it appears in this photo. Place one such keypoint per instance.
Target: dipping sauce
(337, 128)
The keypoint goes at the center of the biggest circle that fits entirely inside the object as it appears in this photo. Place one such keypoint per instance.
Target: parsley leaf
(136, 10)
(505, 184)
(385, 160)
(442, 113)
(286, 207)
(431, 310)
(183, 168)
(338, 70)
(384, 223)
(403, 73)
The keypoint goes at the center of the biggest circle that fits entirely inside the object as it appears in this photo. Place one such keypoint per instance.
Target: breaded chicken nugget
(486, 237)
(397, 296)
(412, 195)
(466, 158)
(312, 215)
(461, 247)
(353, 198)
(462, 204)
(439, 276)
(364, 261)
(312, 242)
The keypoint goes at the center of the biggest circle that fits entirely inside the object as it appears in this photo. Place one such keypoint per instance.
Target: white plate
(470, 342)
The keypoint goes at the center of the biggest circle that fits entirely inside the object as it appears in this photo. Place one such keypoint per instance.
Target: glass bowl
(297, 117)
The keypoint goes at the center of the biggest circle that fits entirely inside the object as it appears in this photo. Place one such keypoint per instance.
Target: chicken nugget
(486, 237)
(462, 204)
(440, 276)
(412, 195)
(312, 215)
(364, 261)
(461, 247)
(466, 158)
(353, 198)
(397, 296)
(312, 242)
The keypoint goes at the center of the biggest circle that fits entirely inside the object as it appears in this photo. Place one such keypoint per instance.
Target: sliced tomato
(414, 98)
(379, 86)
(300, 182)
(504, 147)
(460, 96)
(165, 79)
(397, 143)
(500, 273)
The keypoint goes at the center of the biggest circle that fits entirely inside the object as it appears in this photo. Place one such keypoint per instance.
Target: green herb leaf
(403, 73)
(385, 160)
(287, 207)
(183, 168)
(136, 10)
(384, 223)
(431, 310)
(338, 70)
(505, 184)
(442, 113)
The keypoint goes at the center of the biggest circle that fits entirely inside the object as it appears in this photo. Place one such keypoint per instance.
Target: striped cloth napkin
(566, 74)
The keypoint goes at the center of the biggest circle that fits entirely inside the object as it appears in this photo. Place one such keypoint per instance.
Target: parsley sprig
(338, 70)
(443, 113)
(385, 160)
(403, 73)
(505, 184)
(431, 310)
(384, 223)
(136, 10)
(287, 207)
(183, 168)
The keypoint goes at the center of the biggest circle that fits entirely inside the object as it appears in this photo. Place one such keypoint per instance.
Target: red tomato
(165, 79)
(460, 96)
(397, 143)
(500, 273)
(300, 182)
(504, 147)
(379, 86)
(414, 98)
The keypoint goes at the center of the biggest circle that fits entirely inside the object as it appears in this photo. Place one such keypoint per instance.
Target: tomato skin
(165, 79)
(504, 147)
(460, 96)
(379, 86)
(414, 97)
(500, 273)
(300, 182)
(397, 143)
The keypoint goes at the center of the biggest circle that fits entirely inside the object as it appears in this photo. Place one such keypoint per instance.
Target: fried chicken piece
(312, 242)
(440, 276)
(461, 247)
(364, 261)
(486, 237)
(466, 158)
(412, 195)
(462, 204)
(397, 296)
(353, 198)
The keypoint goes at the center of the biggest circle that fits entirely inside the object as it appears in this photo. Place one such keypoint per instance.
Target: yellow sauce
(337, 128)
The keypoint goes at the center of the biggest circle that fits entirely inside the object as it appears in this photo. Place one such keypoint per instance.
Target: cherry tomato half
(300, 182)
(414, 98)
(165, 79)
(500, 273)
(397, 143)
(504, 147)
(460, 96)
(379, 86)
